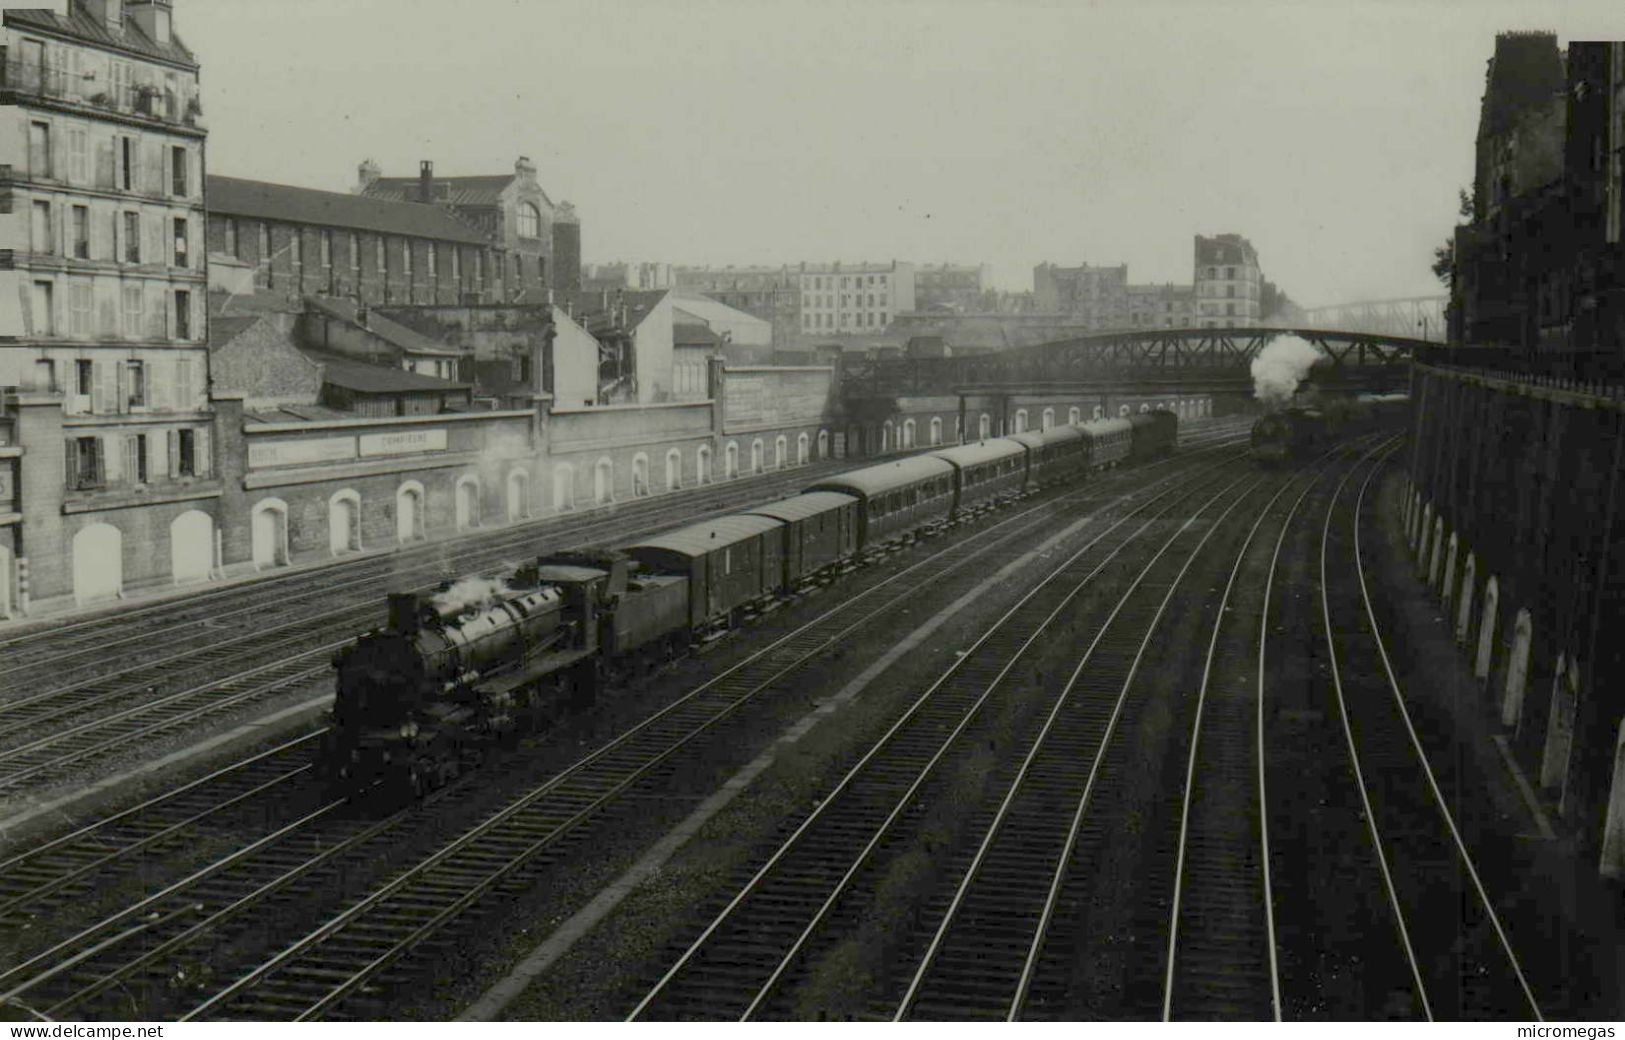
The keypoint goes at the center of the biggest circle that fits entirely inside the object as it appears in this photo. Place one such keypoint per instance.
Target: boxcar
(820, 530)
(986, 469)
(1110, 441)
(1054, 455)
(1155, 433)
(730, 562)
(895, 497)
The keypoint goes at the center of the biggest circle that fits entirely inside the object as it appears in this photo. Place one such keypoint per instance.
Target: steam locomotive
(1294, 434)
(458, 671)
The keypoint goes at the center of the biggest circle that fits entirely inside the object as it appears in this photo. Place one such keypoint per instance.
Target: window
(45, 375)
(186, 461)
(383, 256)
(44, 233)
(78, 156)
(135, 460)
(530, 221)
(296, 247)
(135, 384)
(265, 242)
(184, 391)
(126, 163)
(44, 309)
(132, 238)
(133, 312)
(406, 258)
(355, 255)
(327, 248)
(80, 304)
(85, 462)
(177, 171)
(1229, 272)
(231, 239)
(83, 378)
(434, 259)
(1230, 309)
(180, 242)
(456, 264)
(39, 149)
(183, 314)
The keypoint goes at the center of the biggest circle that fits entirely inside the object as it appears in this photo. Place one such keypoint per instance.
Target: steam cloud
(1280, 367)
(467, 593)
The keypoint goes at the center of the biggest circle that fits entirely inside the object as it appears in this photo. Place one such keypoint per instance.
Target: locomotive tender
(453, 673)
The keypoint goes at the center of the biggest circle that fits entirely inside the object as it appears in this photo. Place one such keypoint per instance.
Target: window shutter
(97, 475)
(121, 397)
(174, 441)
(202, 464)
(158, 377)
(70, 469)
(98, 387)
(112, 460)
(132, 458)
(185, 392)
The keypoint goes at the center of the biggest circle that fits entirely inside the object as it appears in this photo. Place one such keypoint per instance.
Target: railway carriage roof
(1102, 427)
(888, 476)
(982, 451)
(707, 536)
(800, 507)
(1044, 438)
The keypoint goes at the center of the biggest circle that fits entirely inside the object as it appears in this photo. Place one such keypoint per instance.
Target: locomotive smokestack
(405, 615)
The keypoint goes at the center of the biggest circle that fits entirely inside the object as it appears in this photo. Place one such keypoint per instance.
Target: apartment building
(857, 299)
(1229, 283)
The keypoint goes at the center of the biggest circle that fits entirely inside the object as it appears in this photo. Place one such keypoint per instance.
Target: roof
(1526, 72)
(800, 507)
(234, 196)
(707, 536)
(705, 308)
(693, 334)
(480, 190)
(589, 309)
(223, 330)
(981, 451)
(367, 378)
(1044, 438)
(81, 24)
(297, 412)
(888, 476)
(393, 332)
(1102, 427)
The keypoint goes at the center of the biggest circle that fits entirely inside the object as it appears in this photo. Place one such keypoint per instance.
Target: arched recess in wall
(984, 427)
(8, 582)
(1447, 577)
(757, 456)
(1073, 415)
(702, 464)
(1565, 704)
(1124, 411)
(1488, 618)
(1021, 420)
(268, 533)
(518, 493)
(674, 469)
(1423, 532)
(803, 449)
(409, 512)
(603, 481)
(1100, 413)
(467, 501)
(1047, 420)
(908, 434)
(344, 522)
(98, 563)
(1612, 863)
(730, 460)
(823, 444)
(191, 547)
(781, 451)
(1144, 407)
(1523, 629)
(886, 439)
(564, 487)
(640, 475)
(1436, 551)
(1465, 598)
(936, 430)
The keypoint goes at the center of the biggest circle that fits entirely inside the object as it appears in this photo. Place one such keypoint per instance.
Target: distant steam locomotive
(1296, 433)
(452, 673)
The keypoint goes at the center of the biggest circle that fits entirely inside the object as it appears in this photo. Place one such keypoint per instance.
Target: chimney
(366, 175)
(152, 17)
(108, 12)
(524, 169)
(426, 181)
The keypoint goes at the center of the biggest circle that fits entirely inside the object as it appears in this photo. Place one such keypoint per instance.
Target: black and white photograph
(621, 511)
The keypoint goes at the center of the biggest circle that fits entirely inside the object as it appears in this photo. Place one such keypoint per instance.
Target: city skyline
(716, 133)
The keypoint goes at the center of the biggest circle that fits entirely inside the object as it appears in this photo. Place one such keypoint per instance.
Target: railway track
(1461, 960)
(104, 953)
(141, 701)
(807, 893)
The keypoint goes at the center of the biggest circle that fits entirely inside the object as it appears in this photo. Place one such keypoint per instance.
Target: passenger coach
(896, 497)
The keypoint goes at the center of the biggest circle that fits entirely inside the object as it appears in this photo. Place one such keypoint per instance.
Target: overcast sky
(1334, 135)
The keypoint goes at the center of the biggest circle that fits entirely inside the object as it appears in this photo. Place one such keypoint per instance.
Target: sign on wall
(262, 454)
(403, 442)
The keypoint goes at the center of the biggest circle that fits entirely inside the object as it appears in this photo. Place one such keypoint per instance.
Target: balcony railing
(48, 80)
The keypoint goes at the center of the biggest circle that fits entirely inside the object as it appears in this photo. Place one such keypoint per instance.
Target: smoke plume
(468, 593)
(1280, 367)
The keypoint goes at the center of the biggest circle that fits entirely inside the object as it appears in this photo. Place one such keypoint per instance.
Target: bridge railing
(1593, 371)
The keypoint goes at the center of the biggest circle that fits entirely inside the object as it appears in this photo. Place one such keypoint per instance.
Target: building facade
(857, 299)
(1228, 282)
(102, 337)
(1166, 306)
(540, 242)
(769, 293)
(950, 287)
(1097, 296)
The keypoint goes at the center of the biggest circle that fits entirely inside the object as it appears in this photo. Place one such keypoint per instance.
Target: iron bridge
(1169, 356)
